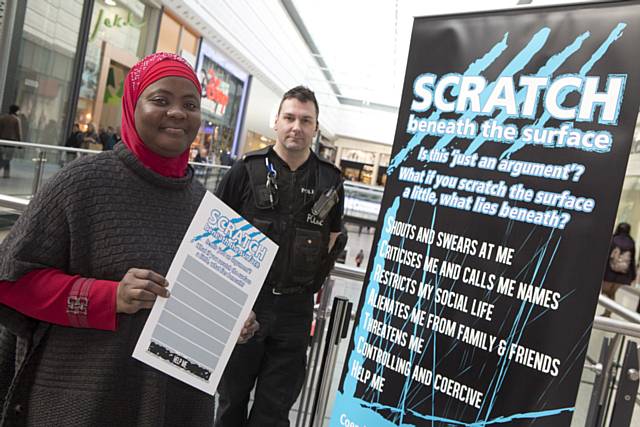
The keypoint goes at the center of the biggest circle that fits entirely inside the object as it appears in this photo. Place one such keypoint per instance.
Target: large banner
(512, 141)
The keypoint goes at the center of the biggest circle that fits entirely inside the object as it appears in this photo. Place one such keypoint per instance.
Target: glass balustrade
(33, 164)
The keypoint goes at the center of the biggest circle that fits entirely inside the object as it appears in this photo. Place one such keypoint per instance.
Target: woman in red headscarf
(88, 257)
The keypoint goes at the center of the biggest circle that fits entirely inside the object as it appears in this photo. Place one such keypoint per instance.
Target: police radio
(325, 203)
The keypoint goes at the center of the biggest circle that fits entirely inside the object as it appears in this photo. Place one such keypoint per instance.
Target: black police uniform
(279, 202)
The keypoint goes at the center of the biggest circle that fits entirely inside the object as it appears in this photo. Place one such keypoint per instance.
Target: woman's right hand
(138, 289)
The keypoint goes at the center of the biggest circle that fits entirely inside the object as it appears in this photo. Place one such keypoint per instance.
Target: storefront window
(175, 37)
(169, 34)
(358, 156)
(189, 42)
(382, 169)
(224, 90)
(121, 33)
(256, 141)
(635, 147)
(45, 67)
(3, 8)
(326, 149)
(357, 165)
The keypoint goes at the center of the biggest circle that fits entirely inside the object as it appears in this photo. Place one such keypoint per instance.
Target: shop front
(120, 34)
(358, 165)
(362, 161)
(176, 37)
(224, 95)
(72, 59)
(382, 169)
(42, 80)
(256, 141)
(326, 149)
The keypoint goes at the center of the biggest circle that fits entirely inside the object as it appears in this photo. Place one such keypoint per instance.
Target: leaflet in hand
(214, 280)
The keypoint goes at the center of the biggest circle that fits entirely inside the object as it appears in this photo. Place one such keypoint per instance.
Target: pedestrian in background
(359, 257)
(73, 141)
(621, 264)
(111, 139)
(75, 138)
(9, 129)
(91, 139)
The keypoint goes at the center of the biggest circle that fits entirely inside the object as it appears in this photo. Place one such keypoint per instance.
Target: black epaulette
(329, 163)
(263, 152)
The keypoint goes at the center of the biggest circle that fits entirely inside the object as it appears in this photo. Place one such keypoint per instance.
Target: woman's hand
(138, 289)
(249, 328)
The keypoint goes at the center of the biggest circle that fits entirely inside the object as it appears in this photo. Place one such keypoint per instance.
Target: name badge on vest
(309, 191)
(312, 219)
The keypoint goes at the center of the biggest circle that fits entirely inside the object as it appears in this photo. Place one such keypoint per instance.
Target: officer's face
(167, 115)
(296, 125)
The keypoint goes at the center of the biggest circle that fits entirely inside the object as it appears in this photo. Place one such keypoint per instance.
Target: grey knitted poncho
(97, 217)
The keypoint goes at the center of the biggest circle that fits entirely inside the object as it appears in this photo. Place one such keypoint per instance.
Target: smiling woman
(161, 113)
(87, 259)
(167, 116)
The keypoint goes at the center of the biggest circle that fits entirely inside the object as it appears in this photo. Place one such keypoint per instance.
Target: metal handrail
(23, 144)
(359, 188)
(617, 326)
(363, 188)
(618, 309)
(16, 203)
(348, 272)
(366, 187)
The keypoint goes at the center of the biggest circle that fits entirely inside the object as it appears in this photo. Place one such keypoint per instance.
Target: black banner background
(569, 261)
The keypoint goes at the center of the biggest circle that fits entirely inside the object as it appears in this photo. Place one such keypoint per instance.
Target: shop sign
(116, 21)
(216, 93)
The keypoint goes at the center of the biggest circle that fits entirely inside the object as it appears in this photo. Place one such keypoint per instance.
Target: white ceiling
(363, 43)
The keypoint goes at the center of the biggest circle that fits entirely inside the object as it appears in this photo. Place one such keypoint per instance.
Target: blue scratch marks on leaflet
(202, 236)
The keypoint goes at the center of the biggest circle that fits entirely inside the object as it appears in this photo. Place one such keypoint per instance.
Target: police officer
(295, 198)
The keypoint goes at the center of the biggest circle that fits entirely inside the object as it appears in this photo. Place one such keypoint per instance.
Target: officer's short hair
(302, 94)
(13, 109)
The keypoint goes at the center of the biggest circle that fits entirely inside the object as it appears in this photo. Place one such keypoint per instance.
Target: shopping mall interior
(64, 63)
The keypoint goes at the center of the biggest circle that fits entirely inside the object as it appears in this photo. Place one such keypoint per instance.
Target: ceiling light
(110, 2)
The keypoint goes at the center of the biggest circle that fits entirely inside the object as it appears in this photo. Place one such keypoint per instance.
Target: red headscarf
(149, 70)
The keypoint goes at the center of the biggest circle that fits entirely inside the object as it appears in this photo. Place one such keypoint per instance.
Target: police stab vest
(302, 237)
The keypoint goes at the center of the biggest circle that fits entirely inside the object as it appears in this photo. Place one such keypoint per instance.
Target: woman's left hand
(249, 328)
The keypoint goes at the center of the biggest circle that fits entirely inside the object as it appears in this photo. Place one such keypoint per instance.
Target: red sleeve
(53, 296)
